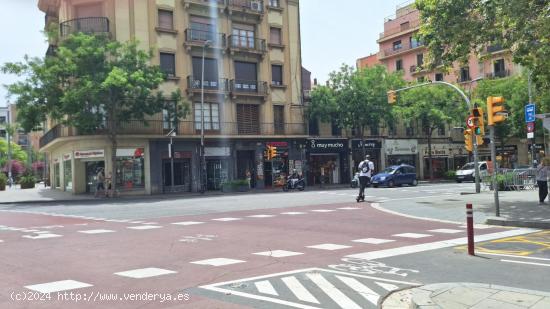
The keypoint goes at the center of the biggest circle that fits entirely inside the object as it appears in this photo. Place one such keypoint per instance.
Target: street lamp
(203, 158)
(172, 133)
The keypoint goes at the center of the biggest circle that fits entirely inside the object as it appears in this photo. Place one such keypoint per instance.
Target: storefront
(93, 161)
(507, 156)
(401, 151)
(182, 171)
(277, 168)
(68, 172)
(372, 147)
(441, 154)
(217, 166)
(130, 168)
(56, 174)
(328, 161)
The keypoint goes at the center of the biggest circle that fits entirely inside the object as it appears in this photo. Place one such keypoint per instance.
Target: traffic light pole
(493, 158)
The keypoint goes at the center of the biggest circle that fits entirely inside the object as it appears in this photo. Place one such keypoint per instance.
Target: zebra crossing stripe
(386, 286)
(362, 289)
(336, 295)
(299, 290)
(265, 287)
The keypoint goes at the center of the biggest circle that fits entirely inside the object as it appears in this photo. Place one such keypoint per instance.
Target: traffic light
(496, 112)
(479, 122)
(468, 142)
(480, 140)
(273, 152)
(392, 96)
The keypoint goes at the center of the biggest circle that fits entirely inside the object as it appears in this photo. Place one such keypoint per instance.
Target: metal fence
(512, 179)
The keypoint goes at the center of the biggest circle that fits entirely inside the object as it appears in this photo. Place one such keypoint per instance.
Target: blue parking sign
(530, 113)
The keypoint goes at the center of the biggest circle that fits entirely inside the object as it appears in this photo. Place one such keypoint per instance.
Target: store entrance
(245, 162)
(92, 168)
(216, 174)
(182, 175)
(324, 169)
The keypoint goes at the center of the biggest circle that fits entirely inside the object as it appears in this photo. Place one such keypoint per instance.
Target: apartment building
(399, 50)
(252, 94)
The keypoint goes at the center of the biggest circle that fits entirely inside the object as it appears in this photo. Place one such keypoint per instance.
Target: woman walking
(542, 180)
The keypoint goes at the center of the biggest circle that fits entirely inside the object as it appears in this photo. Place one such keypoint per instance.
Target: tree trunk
(113, 130)
(430, 165)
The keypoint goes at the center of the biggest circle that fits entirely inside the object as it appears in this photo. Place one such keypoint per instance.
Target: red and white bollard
(470, 228)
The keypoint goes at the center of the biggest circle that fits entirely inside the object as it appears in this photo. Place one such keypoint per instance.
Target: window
(211, 80)
(397, 45)
(3, 119)
(202, 29)
(374, 131)
(23, 140)
(313, 127)
(211, 116)
(277, 75)
(274, 3)
(168, 64)
(465, 74)
(335, 129)
(166, 19)
(420, 59)
(399, 65)
(392, 130)
(410, 131)
(246, 77)
(130, 169)
(243, 36)
(169, 119)
(414, 43)
(441, 131)
(279, 119)
(248, 119)
(439, 77)
(499, 68)
(404, 26)
(275, 36)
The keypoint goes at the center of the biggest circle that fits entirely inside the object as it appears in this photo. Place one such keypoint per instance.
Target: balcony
(248, 88)
(243, 44)
(498, 74)
(88, 25)
(246, 7)
(409, 46)
(159, 129)
(399, 30)
(197, 38)
(220, 85)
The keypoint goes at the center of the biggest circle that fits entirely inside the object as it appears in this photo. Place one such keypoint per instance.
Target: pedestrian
(366, 168)
(100, 182)
(109, 185)
(249, 178)
(542, 180)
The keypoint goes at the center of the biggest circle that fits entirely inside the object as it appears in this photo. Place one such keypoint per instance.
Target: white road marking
(412, 235)
(293, 213)
(144, 227)
(217, 262)
(360, 288)
(42, 236)
(446, 231)
(330, 247)
(299, 290)
(261, 216)
(336, 295)
(523, 262)
(185, 223)
(57, 286)
(136, 222)
(96, 231)
(373, 255)
(226, 219)
(387, 286)
(374, 241)
(514, 256)
(349, 208)
(278, 253)
(323, 210)
(265, 287)
(145, 273)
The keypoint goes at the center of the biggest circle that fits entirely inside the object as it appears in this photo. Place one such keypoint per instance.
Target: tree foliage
(17, 153)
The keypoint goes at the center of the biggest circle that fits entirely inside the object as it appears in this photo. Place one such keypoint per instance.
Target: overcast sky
(333, 32)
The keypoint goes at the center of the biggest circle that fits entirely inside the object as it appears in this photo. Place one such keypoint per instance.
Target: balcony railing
(247, 43)
(217, 85)
(159, 128)
(199, 37)
(413, 24)
(88, 25)
(498, 74)
(250, 87)
(403, 48)
(208, 2)
(254, 6)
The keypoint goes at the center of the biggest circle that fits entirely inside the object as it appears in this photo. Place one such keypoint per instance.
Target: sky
(333, 32)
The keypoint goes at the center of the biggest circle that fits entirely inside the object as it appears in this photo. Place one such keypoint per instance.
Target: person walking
(100, 182)
(542, 180)
(366, 168)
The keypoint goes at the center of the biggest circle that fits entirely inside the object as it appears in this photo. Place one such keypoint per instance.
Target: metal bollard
(470, 228)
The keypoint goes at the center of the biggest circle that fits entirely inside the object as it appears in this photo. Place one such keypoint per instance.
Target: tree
(17, 153)
(433, 106)
(452, 30)
(93, 84)
(355, 99)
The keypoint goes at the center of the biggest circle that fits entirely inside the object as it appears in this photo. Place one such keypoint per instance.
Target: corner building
(252, 94)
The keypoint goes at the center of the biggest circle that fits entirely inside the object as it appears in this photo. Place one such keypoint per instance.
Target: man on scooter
(366, 168)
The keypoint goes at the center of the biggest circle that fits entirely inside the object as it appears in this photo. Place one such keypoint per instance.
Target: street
(314, 249)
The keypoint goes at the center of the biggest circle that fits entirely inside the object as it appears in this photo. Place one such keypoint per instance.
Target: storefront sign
(326, 145)
(85, 154)
(538, 147)
(512, 148)
(401, 147)
(130, 152)
(277, 144)
(217, 151)
(67, 157)
(369, 144)
(178, 155)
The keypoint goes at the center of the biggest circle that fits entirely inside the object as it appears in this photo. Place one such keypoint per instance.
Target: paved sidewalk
(467, 295)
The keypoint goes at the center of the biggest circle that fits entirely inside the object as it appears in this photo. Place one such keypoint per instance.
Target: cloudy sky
(333, 32)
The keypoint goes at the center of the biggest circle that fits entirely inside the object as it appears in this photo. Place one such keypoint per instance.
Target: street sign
(531, 135)
(530, 127)
(530, 113)
(470, 122)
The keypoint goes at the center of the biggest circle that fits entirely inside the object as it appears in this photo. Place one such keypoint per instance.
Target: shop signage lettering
(217, 151)
(401, 147)
(315, 145)
(538, 147)
(277, 144)
(130, 152)
(89, 154)
(369, 144)
(178, 155)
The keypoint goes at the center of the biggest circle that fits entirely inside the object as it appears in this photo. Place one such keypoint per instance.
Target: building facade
(252, 94)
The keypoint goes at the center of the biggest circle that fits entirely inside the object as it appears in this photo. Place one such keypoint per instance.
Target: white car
(467, 172)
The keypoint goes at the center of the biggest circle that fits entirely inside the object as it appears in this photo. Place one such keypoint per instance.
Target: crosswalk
(313, 288)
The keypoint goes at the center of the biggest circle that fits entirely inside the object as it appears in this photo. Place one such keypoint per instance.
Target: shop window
(211, 116)
(56, 176)
(130, 169)
(68, 175)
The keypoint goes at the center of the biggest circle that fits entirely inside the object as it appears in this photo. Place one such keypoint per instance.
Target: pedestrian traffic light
(392, 96)
(496, 112)
(468, 142)
(479, 122)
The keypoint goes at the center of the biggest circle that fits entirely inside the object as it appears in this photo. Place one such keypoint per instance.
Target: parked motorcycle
(294, 184)
(355, 181)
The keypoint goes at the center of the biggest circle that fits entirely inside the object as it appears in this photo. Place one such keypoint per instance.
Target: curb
(517, 223)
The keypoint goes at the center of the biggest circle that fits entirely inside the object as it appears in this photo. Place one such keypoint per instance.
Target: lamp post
(203, 158)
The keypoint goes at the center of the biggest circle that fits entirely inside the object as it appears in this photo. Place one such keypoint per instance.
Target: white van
(467, 172)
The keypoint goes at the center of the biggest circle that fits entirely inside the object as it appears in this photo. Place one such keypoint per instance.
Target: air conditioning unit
(256, 6)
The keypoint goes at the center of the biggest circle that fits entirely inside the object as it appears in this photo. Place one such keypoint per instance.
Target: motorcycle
(294, 184)
(355, 181)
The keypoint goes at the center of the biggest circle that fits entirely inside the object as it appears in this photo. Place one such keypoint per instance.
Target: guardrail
(512, 179)
(90, 25)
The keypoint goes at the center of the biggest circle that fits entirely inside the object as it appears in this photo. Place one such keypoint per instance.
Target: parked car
(467, 172)
(396, 175)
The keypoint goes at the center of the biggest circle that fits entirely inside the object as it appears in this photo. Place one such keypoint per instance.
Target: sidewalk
(466, 295)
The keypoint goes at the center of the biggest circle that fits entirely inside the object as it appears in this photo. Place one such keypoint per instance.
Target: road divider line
(515, 256)
(523, 262)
